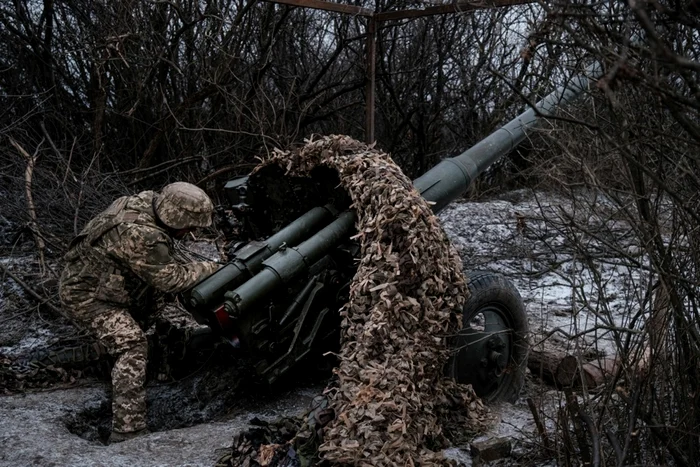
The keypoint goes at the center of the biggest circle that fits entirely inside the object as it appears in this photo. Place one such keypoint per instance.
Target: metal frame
(372, 26)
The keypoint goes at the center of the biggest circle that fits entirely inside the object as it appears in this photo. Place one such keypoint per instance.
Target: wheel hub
(492, 363)
(483, 352)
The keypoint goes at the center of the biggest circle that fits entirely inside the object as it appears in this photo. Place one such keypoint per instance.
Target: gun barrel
(451, 178)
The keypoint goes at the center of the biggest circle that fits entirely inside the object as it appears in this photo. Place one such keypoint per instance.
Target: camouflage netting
(389, 392)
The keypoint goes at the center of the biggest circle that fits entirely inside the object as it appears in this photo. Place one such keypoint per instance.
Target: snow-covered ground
(586, 288)
(34, 432)
(585, 285)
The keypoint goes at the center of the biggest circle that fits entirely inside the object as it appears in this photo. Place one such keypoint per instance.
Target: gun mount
(278, 298)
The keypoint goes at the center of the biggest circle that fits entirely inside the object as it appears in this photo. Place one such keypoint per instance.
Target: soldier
(113, 268)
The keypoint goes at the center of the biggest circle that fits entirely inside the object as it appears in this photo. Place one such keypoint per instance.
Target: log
(573, 373)
(544, 363)
(556, 367)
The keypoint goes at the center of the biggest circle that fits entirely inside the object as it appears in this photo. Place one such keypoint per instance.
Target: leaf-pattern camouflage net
(405, 300)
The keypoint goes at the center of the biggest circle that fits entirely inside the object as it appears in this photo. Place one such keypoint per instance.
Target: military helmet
(182, 205)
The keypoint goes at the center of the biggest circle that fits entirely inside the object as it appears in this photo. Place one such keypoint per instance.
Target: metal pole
(371, 70)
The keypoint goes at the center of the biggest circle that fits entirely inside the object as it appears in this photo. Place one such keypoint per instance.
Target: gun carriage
(279, 295)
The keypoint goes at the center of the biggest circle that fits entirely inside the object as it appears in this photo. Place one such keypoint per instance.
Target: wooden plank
(449, 8)
(328, 6)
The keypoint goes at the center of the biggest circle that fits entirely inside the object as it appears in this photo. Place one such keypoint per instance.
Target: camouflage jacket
(122, 254)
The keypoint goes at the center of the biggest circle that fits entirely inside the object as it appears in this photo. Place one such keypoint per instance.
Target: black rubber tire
(496, 295)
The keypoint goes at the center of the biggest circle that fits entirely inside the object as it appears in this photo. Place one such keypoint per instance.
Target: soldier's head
(182, 207)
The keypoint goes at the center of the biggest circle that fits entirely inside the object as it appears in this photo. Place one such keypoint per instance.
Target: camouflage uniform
(112, 268)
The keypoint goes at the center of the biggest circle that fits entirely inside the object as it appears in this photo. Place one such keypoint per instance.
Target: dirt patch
(206, 396)
(93, 422)
(214, 388)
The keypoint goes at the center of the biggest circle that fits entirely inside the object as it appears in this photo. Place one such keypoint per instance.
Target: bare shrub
(628, 158)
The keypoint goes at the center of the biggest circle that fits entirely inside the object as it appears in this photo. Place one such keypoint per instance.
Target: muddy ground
(196, 414)
(58, 427)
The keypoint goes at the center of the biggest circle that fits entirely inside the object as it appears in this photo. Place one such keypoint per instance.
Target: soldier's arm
(146, 251)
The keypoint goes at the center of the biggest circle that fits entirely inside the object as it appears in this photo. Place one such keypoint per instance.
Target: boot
(119, 436)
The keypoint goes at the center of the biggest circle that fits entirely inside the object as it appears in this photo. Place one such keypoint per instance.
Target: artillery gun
(278, 298)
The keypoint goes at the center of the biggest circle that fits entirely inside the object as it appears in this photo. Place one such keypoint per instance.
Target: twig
(80, 193)
(563, 421)
(76, 214)
(58, 153)
(170, 166)
(584, 332)
(48, 138)
(538, 423)
(224, 170)
(615, 445)
(574, 412)
(11, 318)
(28, 173)
(660, 431)
(155, 167)
(593, 433)
(32, 292)
(70, 157)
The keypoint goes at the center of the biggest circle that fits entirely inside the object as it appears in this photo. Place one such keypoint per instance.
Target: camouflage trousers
(124, 339)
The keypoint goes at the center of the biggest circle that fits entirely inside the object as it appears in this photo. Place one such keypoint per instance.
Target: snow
(36, 339)
(16, 310)
(577, 288)
(579, 292)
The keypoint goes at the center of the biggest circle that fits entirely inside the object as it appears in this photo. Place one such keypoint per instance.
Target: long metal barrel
(441, 185)
(450, 179)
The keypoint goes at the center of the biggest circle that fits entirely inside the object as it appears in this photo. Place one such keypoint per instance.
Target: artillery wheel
(491, 349)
